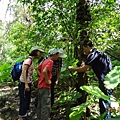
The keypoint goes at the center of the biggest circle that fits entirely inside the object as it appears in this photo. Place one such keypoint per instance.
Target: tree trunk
(83, 19)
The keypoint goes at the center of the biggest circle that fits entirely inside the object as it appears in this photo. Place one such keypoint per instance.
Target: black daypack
(17, 70)
(106, 61)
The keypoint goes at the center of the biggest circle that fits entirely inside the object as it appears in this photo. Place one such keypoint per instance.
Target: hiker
(101, 65)
(44, 71)
(56, 69)
(26, 80)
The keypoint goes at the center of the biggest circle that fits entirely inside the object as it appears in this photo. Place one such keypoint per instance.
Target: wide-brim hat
(53, 51)
(37, 48)
(61, 53)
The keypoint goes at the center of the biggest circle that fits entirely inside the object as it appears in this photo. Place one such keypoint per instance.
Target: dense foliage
(53, 24)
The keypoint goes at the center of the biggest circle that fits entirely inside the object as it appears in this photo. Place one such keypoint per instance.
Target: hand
(70, 68)
(27, 87)
(48, 82)
(56, 82)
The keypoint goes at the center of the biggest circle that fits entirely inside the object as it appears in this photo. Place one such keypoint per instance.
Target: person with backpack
(25, 82)
(44, 71)
(101, 65)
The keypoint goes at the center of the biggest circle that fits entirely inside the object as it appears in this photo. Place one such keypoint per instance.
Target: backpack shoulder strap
(31, 59)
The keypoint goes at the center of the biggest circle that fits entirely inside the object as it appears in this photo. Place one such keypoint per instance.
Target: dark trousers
(103, 104)
(53, 80)
(24, 98)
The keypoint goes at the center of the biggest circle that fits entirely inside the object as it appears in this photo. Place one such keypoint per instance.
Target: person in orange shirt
(44, 71)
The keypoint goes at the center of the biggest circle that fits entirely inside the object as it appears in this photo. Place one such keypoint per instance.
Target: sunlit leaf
(95, 91)
(77, 111)
(112, 79)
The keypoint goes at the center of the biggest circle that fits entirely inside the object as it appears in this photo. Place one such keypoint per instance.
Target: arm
(38, 69)
(59, 69)
(38, 72)
(82, 68)
(45, 72)
(58, 75)
(24, 72)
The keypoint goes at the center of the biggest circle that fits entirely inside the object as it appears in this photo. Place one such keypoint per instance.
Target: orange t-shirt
(48, 63)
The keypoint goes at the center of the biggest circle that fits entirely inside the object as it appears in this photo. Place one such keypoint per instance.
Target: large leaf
(95, 91)
(77, 111)
(112, 79)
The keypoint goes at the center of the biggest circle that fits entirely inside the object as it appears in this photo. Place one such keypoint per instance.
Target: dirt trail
(9, 103)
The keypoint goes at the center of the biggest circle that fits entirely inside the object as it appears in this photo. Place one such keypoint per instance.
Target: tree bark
(83, 19)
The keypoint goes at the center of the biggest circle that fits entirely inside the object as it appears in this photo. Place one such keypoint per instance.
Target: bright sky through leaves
(3, 9)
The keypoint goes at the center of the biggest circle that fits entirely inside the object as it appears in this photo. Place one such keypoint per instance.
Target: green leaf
(112, 79)
(95, 91)
(111, 1)
(67, 97)
(74, 116)
(77, 111)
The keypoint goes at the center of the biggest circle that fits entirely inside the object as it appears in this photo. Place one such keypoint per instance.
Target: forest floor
(9, 102)
(9, 105)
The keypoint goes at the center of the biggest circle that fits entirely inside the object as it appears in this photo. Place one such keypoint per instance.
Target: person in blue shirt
(101, 65)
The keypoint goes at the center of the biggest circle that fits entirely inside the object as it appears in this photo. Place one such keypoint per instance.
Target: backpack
(17, 70)
(106, 61)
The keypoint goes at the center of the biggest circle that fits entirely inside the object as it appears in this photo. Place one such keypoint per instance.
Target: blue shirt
(100, 63)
